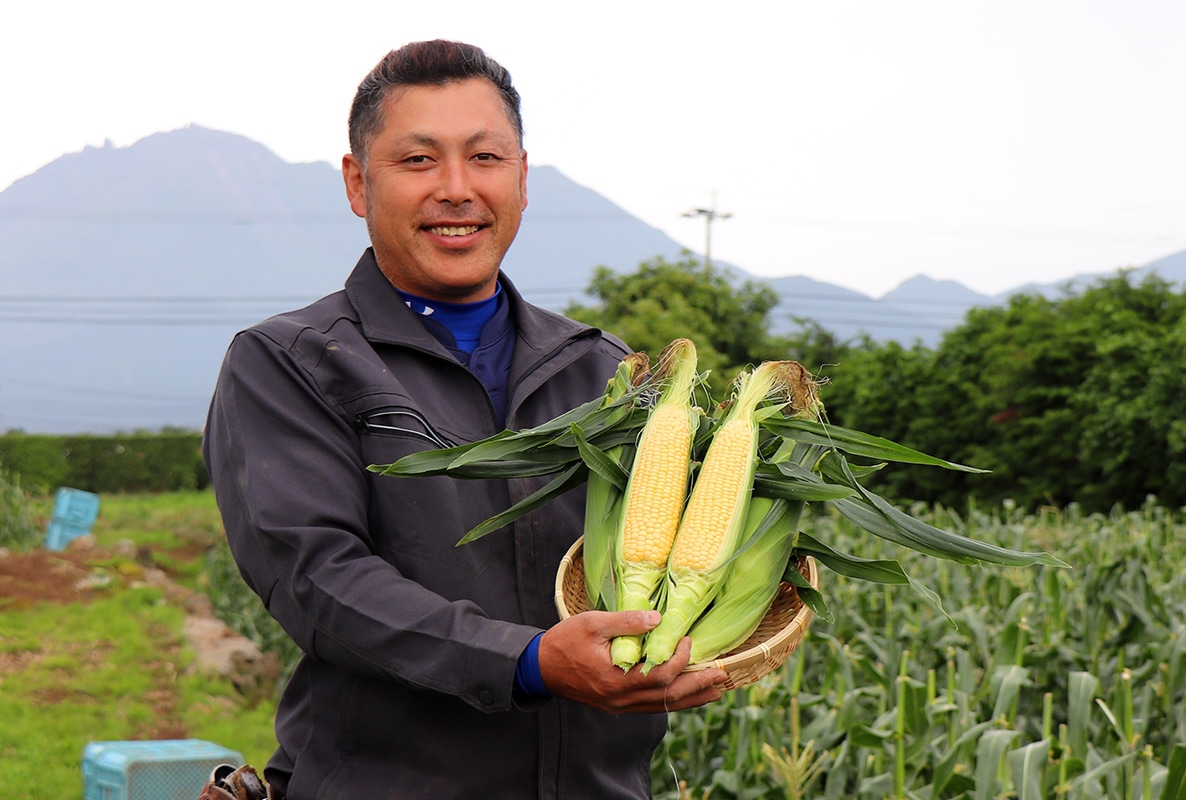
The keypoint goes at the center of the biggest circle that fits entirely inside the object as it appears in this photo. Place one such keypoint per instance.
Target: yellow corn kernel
(719, 497)
(658, 484)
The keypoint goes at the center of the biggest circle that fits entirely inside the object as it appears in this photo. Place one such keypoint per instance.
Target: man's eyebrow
(426, 140)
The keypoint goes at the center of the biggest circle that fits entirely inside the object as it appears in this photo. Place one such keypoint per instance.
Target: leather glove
(228, 783)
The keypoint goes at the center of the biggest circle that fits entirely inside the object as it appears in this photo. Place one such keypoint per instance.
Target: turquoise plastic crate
(75, 511)
(166, 769)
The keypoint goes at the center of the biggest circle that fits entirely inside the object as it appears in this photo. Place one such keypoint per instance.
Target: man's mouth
(453, 230)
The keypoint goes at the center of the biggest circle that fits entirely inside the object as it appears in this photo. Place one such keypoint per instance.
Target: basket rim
(755, 654)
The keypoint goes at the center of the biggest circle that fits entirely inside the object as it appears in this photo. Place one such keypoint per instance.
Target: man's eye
(486, 157)
(416, 159)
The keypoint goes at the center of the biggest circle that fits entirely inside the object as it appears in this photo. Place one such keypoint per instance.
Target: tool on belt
(236, 783)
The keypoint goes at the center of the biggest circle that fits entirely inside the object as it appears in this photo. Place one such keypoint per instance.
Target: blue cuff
(527, 677)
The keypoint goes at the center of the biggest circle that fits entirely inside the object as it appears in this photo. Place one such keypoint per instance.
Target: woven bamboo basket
(777, 636)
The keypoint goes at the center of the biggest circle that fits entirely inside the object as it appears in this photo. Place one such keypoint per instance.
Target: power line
(88, 298)
(90, 391)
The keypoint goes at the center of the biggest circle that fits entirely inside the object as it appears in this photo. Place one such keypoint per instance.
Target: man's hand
(574, 662)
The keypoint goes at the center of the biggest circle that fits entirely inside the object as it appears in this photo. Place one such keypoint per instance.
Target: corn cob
(655, 492)
(603, 501)
(751, 580)
(714, 521)
(770, 535)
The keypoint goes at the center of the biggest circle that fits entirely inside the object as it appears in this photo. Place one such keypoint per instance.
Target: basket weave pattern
(777, 636)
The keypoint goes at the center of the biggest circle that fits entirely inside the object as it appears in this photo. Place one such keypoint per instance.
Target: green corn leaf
(599, 462)
(879, 517)
(603, 422)
(603, 509)
(571, 477)
(1101, 771)
(799, 491)
(429, 462)
(945, 767)
(790, 481)
(990, 751)
(1174, 787)
(1081, 695)
(494, 451)
(856, 443)
(1111, 715)
(512, 468)
(1027, 764)
(865, 569)
(1009, 681)
(579, 414)
(811, 597)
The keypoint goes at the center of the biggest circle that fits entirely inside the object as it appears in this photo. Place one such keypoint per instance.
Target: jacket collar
(385, 317)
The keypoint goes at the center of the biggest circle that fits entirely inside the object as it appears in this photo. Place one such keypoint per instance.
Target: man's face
(443, 190)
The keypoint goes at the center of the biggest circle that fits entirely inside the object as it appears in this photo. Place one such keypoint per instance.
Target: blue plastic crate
(166, 769)
(59, 534)
(75, 505)
(75, 511)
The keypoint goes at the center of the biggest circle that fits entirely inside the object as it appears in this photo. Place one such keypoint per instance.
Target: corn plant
(1043, 683)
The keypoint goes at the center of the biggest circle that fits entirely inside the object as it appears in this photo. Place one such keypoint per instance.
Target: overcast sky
(860, 143)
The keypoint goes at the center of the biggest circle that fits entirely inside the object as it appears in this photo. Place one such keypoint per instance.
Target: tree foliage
(663, 300)
(1079, 399)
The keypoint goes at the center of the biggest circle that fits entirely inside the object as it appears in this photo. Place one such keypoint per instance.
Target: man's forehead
(400, 100)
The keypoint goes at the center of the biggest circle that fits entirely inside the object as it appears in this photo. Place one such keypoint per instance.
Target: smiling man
(428, 670)
(442, 186)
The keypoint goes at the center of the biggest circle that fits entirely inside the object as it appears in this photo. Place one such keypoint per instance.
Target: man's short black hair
(433, 63)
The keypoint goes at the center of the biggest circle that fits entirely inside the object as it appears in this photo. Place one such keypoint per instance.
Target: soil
(70, 576)
(44, 576)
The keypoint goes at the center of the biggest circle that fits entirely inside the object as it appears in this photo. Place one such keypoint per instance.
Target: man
(429, 670)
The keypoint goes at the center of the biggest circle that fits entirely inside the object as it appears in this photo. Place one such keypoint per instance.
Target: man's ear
(355, 179)
(523, 180)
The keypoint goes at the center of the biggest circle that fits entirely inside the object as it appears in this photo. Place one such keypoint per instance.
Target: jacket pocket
(401, 421)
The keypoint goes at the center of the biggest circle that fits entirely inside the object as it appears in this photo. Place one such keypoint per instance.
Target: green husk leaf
(430, 462)
(879, 517)
(599, 461)
(790, 481)
(752, 580)
(856, 443)
(575, 475)
(884, 571)
(879, 570)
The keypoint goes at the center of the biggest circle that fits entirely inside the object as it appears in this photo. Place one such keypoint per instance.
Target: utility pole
(710, 215)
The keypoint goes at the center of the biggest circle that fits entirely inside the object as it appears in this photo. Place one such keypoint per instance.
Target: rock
(124, 548)
(223, 652)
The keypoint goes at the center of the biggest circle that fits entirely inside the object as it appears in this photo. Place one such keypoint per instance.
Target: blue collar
(464, 320)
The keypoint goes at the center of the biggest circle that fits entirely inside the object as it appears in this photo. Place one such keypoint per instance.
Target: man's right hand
(574, 662)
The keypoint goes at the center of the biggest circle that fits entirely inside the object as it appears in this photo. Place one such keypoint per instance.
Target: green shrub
(168, 461)
(39, 460)
(18, 526)
(239, 607)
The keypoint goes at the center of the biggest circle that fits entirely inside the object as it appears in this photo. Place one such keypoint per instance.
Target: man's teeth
(463, 230)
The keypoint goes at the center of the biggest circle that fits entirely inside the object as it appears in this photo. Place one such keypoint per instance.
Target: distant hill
(125, 272)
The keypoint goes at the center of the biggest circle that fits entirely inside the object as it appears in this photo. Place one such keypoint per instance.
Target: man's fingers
(609, 624)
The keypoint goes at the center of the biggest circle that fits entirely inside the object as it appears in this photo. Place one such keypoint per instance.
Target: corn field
(1040, 682)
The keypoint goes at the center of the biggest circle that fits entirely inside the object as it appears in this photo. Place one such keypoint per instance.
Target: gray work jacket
(410, 643)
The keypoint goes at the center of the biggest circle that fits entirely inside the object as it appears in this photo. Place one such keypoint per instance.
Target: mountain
(127, 271)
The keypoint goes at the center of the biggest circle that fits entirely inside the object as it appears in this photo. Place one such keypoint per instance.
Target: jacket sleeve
(293, 493)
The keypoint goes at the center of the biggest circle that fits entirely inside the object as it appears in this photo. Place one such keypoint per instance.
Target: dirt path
(70, 576)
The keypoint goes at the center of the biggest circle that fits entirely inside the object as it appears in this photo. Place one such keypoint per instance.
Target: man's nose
(455, 185)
